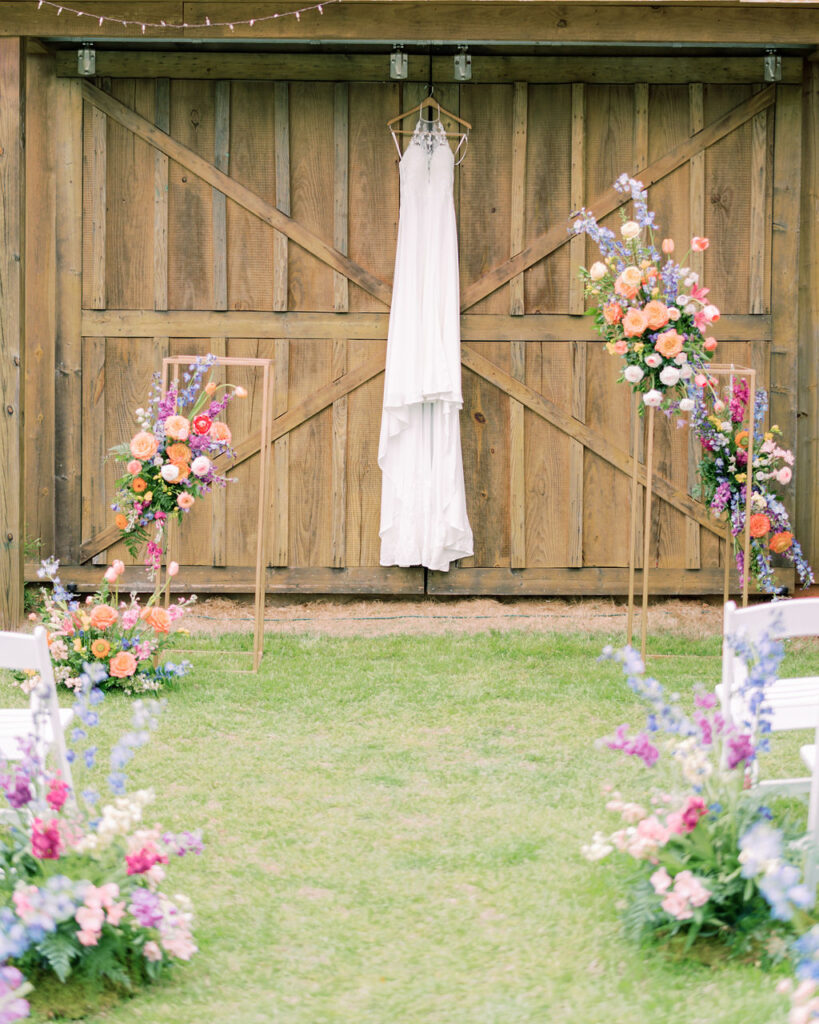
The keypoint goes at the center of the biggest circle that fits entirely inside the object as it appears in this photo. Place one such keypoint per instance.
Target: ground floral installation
(714, 864)
(170, 460)
(652, 312)
(719, 419)
(82, 892)
(109, 630)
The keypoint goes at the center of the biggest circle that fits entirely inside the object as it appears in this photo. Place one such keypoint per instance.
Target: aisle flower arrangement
(652, 311)
(710, 862)
(122, 636)
(82, 879)
(726, 438)
(170, 460)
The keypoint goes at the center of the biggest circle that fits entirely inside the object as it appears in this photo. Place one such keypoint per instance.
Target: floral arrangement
(720, 420)
(169, 462)
(710, 862)
(81, 885)
(652, 312)
(122, 636)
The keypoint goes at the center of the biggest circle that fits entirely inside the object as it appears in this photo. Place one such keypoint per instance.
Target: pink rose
(784, 475)
(88, 938)
(134, 467)
(699, 244)
(660, 880)
(621, 347)
(710, 344)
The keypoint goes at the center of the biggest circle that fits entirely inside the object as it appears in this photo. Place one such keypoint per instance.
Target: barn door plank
(205, 170)
(609, 200)
(282, 123)
(162, 119)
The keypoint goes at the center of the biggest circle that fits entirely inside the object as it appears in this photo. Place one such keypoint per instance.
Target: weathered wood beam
(589, 438)
(607, 22)
(549, 327)
(233, 190)
(206, 579)
(560, 582)
(357, 67)
(610, 200)
(12, 329)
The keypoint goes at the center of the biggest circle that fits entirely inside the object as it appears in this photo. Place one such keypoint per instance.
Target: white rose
(598, 271)
(711, 313)
(653, 360)
(669, 375)
(158, 460)
(686, 404)
(140, 412)
(673, 314)
(169, 472)
(631, 229)
(633, 374)
(691, 279)
(652, 398)
(691, 308)
(725, 427)
(200, 465)
(680, 358)
(686, 371)
(683, 299)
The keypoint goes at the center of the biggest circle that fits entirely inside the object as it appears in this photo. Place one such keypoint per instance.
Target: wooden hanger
(428, 101)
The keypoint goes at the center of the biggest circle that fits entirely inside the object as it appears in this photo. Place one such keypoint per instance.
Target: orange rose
(122, 665)
(121, 521)
(177, 427)
(139, 484)
(656, 314)
(780, 542)
(100, 648)
(621, 287)
(634, 322)
(157, 618)
(612, 313)
(220, 432)
(102, 616)
(178, 452)
(184, 471)
(185, 500)
(144, 445)
(760, 524)
(668, 344)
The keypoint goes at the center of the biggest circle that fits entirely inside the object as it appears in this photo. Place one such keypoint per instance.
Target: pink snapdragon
(46, 842)
(57, 794)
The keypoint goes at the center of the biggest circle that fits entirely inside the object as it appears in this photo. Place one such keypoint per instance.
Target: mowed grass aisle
(392, 832)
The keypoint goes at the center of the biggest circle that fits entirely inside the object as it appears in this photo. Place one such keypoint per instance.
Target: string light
(250, 22)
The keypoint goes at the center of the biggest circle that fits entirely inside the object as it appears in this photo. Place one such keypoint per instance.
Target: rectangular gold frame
(265, 428)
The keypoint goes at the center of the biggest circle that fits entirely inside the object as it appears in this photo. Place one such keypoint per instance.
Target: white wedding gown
(423, 504)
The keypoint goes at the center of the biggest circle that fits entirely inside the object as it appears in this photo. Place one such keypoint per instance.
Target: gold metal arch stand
(265, 427)
(721, 372)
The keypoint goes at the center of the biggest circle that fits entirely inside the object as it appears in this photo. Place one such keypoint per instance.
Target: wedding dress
(423, 504)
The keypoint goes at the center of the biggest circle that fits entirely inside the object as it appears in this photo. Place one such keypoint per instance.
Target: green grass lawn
(392, 833)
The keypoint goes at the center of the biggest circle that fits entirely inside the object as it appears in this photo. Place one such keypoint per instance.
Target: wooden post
(12, 228)
(265, 430)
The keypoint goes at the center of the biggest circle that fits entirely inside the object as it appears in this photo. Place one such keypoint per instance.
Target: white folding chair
(44, 719)
(793, 701)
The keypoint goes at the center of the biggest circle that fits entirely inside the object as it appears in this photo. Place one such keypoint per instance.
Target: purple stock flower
(639, 746)
(145, 908)
(19, 793)
(739, 748)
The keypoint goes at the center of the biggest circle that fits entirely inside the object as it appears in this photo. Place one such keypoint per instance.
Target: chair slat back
(30, 651)
(780, 619)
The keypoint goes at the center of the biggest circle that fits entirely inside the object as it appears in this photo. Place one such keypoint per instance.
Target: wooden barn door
(259, 218)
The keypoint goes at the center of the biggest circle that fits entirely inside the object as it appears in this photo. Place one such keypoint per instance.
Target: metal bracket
(399, 63)
(463, 65)
(86, 60)
(772, 65)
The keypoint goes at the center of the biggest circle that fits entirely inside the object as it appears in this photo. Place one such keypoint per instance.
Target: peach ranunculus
(760, 524)
(144, 445)
(178, 452)
(185, 500)
(634, 322)
(621, 347)
(220, 432)
(780, 542)
(612, 313)
(157, 618)
(122, 665)
(177, 427)
(668, 344)
(626, 290)
(656, 314)
(102, 616)
(121, 521)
